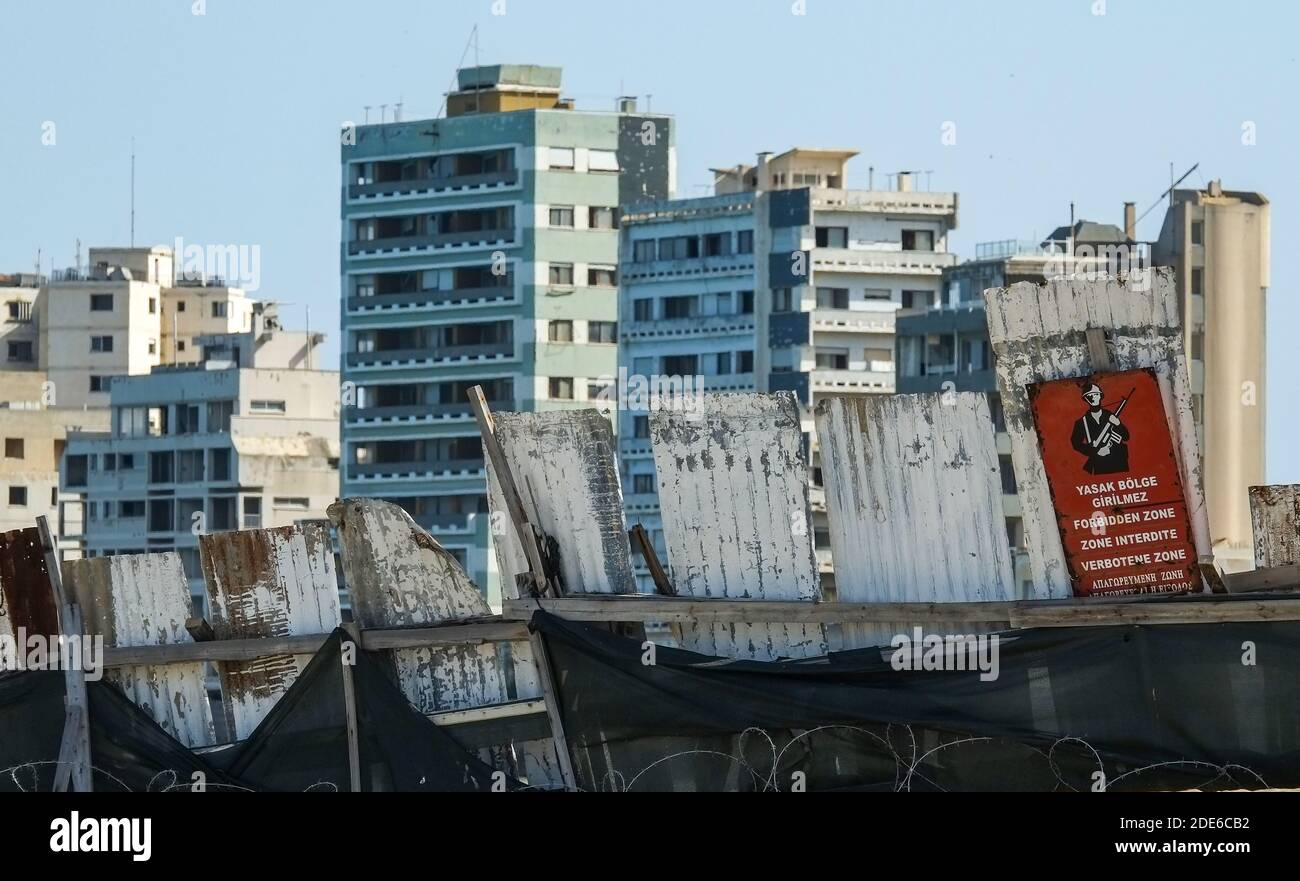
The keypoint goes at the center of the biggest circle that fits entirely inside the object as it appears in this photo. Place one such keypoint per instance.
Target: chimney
(1216, 187)
(760, 171)
(1130, 221)
(627, 104)
(904, 182)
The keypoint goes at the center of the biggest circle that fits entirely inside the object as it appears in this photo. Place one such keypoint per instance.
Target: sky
(235, 108)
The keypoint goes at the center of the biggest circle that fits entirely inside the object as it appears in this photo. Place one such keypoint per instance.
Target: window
(180, 305)
(18, 496)
(101, 302)
(833, 359)
(602, 218)
(679, 248)
(219, 310)
(560, 157)
(110, 461)
(602, 160)
(916, 299)
(153, 347)
(296, 503)
(126, 461)
(559, 331)
(717, 244)
(601, 390)
(75, 470)
(561, 388)
(643, 251)
(745, 241)
(782, 300)
(643, 484)
(266, 406)
(878, 294)
(187, 419)
(561, 273)
(1008, 475)
(162, 467)
(681, 365)
(562, 216)
(252, 512)
(1198, 282)
(14, 448)
(643, 309)
(680, 307)
(918, 240)
(223, 513)
(1197, 353)
(100, 383)
(832, 236)
(189, 466)
(131, 510)
(101, 343)
(745, 362)
(640, 427)
(722, 363)
(833, 298)
(745, 302)
(20, 351)
(153, 305)
(219, 459)
(162, 515)
(219, 413)
(602, 331)
(180, 345)
(1198, 232)
(602, 277)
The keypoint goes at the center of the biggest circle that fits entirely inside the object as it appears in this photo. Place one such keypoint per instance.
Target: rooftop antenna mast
(473, 35)
(132, 204)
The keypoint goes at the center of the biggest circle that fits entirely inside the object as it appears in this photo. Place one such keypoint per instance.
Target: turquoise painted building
(481, 248)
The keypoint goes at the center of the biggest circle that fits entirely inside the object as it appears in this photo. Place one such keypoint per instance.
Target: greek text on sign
(1115, 484)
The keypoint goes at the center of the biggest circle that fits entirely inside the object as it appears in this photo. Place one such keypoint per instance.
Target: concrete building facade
(480, 248)
(784, 280)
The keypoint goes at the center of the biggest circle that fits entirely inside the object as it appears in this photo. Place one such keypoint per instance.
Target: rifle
(1105, 432)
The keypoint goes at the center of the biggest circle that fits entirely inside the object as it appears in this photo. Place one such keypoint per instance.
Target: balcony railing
(434, 185)
(382, 302)
(416, 412)
(698, 325)
(429, 355)
(436, 240)
(895, 262)
(853, 320)
(393, 470)
(852, 381)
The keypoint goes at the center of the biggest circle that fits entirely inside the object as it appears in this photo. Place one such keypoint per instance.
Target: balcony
(688, 267)
(415, 413)
(430, 298)
(852, 381)
(707, 325)
(853, 320)
(928, 263)
(495, 180)
(483, 237)
(415, 469)
(416, 357)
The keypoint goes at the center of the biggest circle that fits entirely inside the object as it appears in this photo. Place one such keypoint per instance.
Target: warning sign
(1115, 485)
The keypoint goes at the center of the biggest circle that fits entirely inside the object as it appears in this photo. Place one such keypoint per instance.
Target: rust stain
(25, 590)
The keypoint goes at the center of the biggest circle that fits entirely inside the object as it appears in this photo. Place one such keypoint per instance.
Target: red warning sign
(1115, 485)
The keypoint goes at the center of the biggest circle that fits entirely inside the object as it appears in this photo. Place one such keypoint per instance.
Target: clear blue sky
(236, 113)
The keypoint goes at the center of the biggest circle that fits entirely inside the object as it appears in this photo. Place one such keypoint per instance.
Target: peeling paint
(1038, 333)
(901, 530)
(1275, 522)
(733, 489)
(144, 599)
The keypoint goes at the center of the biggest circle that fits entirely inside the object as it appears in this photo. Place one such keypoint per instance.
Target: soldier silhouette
(1099, 435)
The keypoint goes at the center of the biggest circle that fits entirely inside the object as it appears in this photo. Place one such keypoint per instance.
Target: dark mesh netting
(1170, 707)
(301, 744)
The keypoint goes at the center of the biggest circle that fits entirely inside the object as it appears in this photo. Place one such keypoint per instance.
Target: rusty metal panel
(733, 489)
(1275, 522)
(1039, 333)
(564, 466)
(144, 599)
(914, 501)
(399, 576)
(264, 583)
(26, 597)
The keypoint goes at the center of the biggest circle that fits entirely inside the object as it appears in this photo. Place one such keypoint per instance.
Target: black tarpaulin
(1135, 707)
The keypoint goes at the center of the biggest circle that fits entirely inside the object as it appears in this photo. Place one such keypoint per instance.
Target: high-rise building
(480, 248)
(1217, 241)
(782, 280)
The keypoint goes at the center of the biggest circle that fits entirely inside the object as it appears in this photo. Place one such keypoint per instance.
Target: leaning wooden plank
(733, 489)
(267, 583)
(914, 502)
(563, 463)
(1038, 333)
(144, 599)
(27, 603)
(400, 576)
(1275, 522)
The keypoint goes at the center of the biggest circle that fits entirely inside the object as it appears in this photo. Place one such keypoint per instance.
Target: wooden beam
(350, 711)
(641, 541)
(76, 730)
(200, 630)
(543, 661)
(1276, 578)
(528, 534)
(1099, 353)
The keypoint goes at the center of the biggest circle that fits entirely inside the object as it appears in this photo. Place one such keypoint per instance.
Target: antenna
(132, 205)
(397, 109)
(77, 265)
(383, 113)
(473, 35)
(1169, 192)
(367, 108)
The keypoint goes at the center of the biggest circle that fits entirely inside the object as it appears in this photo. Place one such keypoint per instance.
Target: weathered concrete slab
(1038, 333)
(733, 490)
(144, 599)
(914, 502)
(267, 582)
(564, 465)
(1275, 522)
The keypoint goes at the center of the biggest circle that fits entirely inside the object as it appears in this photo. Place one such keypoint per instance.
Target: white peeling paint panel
(914, 501)
(140, 600)
(1275, 522)
(733, 490)
(1039, 333)
(264, 583)
(564, 467)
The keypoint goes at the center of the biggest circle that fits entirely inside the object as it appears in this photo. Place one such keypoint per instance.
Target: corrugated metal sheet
(733, 490)
(399, 576)
(914, 501)
(564, 466)
(1039, 332)
(261, 583)
(1275, 522)
(144, 599)
(26, 597)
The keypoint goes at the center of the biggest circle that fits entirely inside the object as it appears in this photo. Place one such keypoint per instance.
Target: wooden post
(350, 710)
(1099, 351)
(641, 539)
(528, 536)
(75, 749)
(544, 672)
